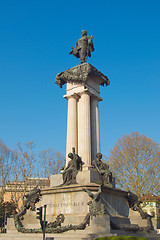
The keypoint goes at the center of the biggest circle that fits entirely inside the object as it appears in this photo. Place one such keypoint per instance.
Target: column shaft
(95, 140)
(97, 128)
(84, 130)
(72, 140)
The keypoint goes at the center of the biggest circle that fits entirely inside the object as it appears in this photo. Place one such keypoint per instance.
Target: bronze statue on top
(84, 47)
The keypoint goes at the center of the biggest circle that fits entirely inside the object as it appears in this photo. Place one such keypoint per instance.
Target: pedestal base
(83, 177)
(72, 202)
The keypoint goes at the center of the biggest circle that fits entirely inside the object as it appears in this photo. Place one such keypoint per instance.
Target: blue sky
(35, 39)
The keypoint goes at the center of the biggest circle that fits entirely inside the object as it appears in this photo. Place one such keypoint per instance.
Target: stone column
(95, 139)
(84, 129)
(72, 140)
(97, 127)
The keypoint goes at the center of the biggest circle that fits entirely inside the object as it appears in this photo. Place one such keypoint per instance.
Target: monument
(82, 201)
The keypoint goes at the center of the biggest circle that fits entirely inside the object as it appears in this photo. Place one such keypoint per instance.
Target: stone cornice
(80, 74)
(78, 187)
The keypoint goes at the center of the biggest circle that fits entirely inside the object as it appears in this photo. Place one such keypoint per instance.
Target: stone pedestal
(83, 177)
(100, 224)
(11, 226)
(72, 201)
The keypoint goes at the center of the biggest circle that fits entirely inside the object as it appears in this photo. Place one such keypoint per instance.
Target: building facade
(151, 205)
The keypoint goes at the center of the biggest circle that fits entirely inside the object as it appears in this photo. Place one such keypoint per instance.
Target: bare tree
(22, 169)
(5, 166)
(135, 162)
(26, 160)
(51, 162)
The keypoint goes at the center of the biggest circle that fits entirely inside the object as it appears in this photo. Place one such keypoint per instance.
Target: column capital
(75, 96)
(85, 91)
(91, 94)
(99, 99)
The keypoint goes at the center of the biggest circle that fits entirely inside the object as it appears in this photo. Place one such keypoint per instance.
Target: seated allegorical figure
(70, 172)
(103, 169)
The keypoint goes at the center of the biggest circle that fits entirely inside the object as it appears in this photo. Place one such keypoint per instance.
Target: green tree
(135, 163)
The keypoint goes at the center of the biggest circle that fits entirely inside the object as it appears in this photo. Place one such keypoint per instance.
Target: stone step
(68, 236)
(118, 219)
(154, 237)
